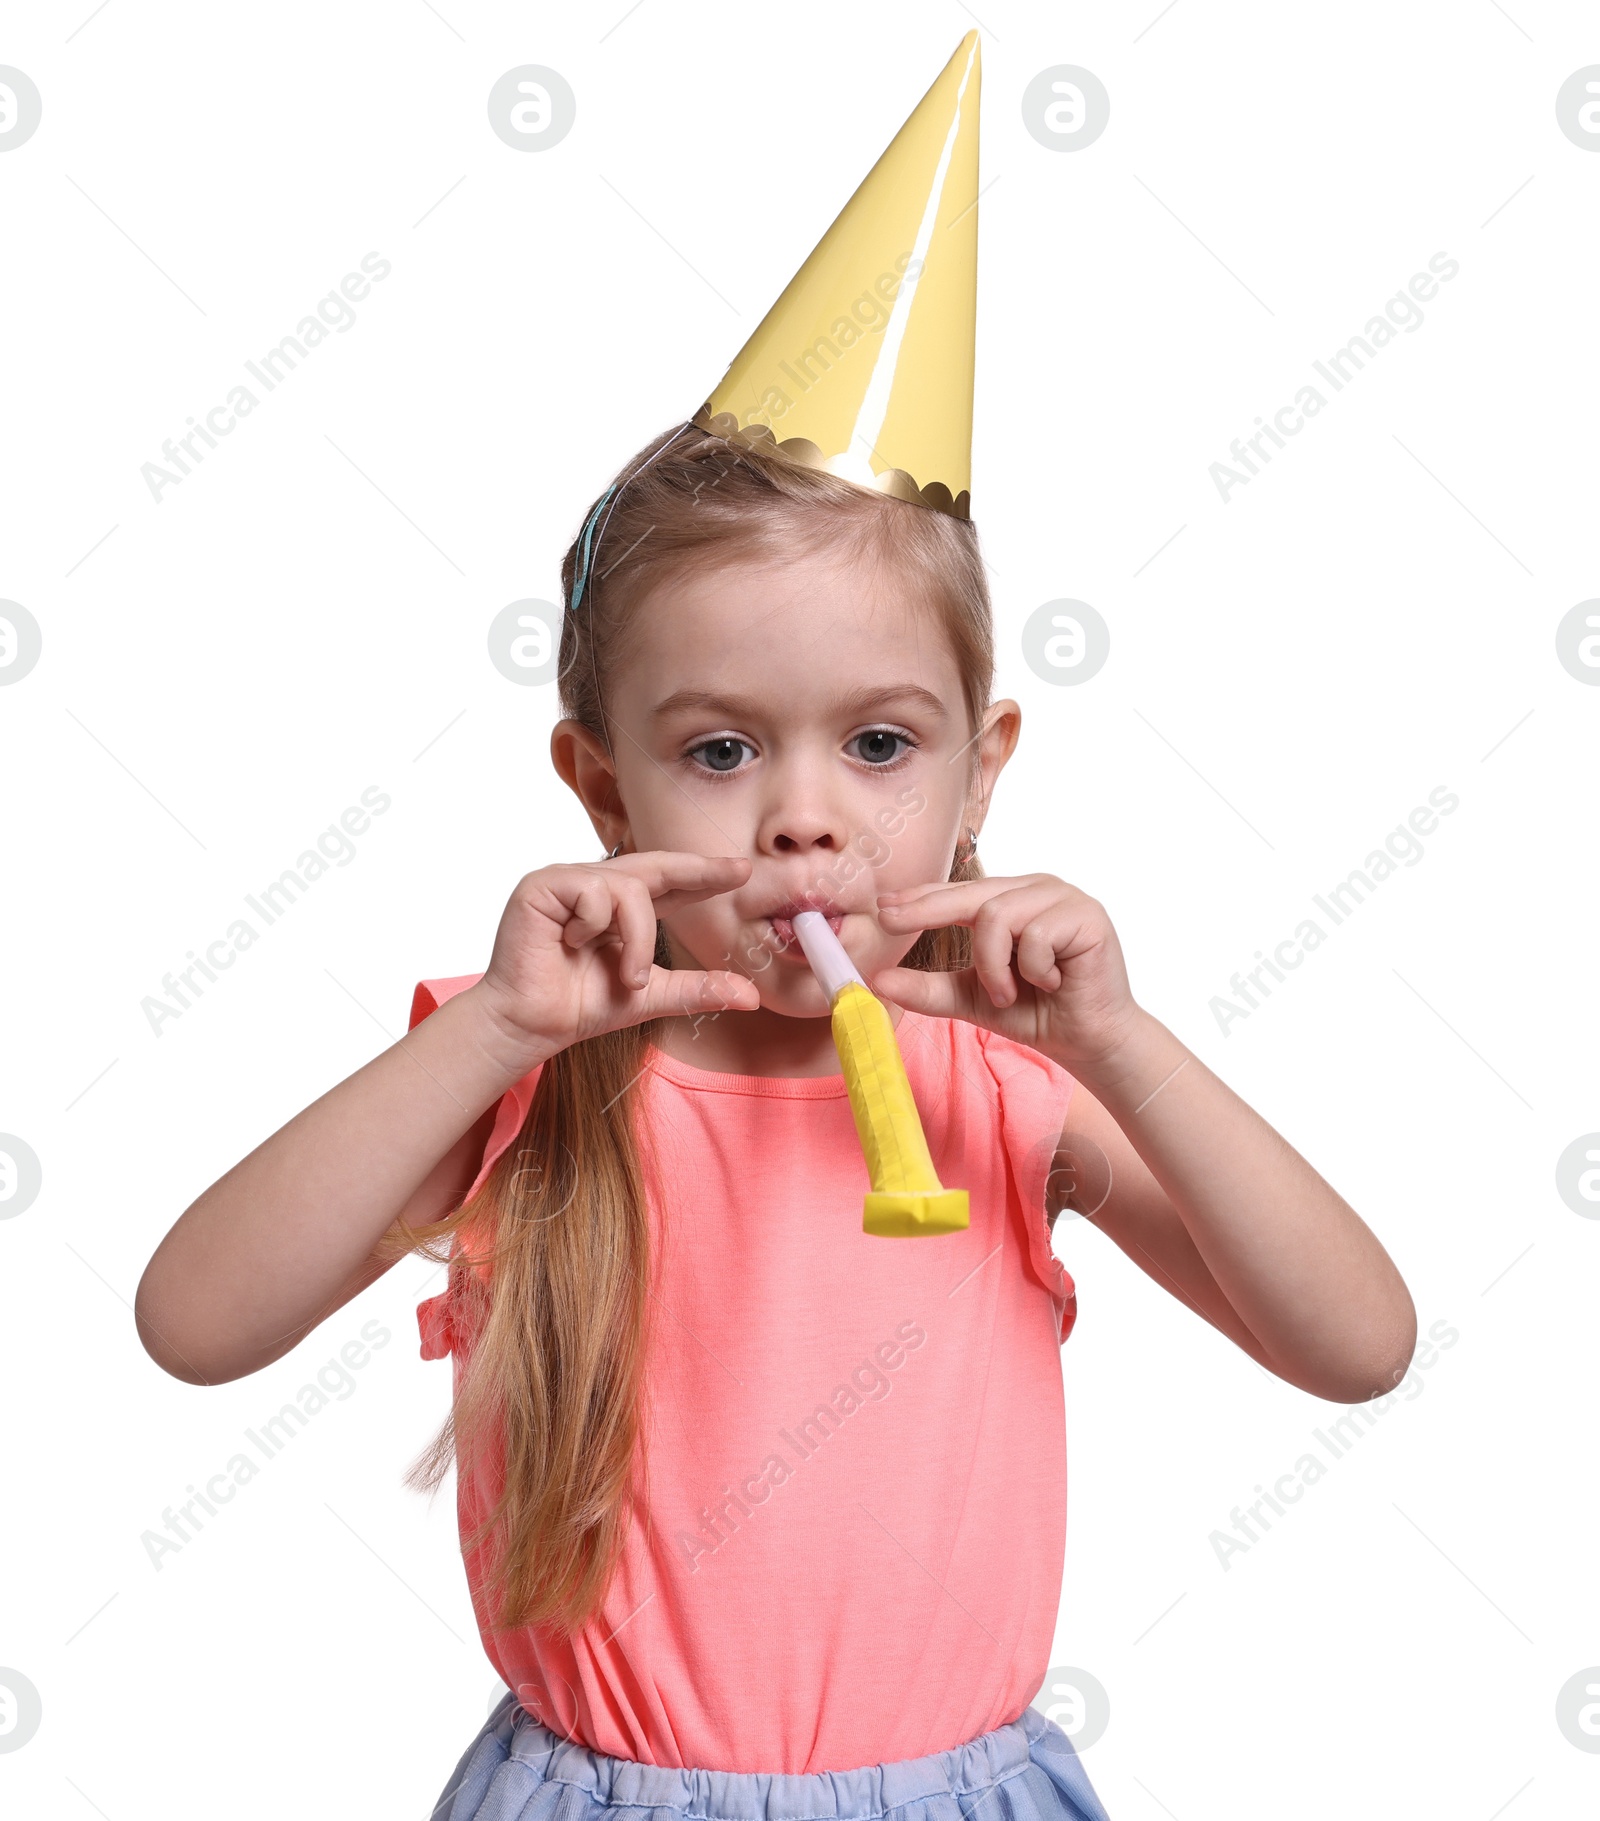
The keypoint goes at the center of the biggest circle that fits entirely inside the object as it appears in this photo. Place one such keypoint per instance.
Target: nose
(802, 815)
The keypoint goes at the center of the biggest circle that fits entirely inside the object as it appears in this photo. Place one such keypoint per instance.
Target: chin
(792, 996)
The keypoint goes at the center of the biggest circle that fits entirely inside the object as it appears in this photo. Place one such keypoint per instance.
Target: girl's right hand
(574, 954)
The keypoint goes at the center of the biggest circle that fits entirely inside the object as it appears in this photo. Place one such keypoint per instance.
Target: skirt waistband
(861, 1794)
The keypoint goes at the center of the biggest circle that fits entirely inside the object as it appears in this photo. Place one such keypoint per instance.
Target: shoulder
(511, 1110)
(1025, 1092)
(439, 1319)
(1007, 1059)
(984, 1057)
(1013, 1104)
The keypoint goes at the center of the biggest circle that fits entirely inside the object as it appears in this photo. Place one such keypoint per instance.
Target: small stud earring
(971, 849)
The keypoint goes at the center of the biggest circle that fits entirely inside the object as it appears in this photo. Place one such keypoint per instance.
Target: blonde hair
(552, 1384)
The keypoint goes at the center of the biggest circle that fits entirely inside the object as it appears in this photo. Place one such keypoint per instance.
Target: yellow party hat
(864, 365)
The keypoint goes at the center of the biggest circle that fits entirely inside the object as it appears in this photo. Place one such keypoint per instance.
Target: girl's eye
(722, 754)
(881, 748)
(875, 745)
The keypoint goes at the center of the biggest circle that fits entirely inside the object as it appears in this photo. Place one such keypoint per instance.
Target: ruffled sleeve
(1034, 1096)
(437, 1321)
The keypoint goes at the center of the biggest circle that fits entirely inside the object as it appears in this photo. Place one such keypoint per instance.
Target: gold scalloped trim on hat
(893, 481)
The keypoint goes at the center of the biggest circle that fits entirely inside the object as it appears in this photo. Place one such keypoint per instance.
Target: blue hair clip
(587, 540)
(586, 550)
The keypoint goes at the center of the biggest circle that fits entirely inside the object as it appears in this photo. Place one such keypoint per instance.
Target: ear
(1002, 726)
(585, 767)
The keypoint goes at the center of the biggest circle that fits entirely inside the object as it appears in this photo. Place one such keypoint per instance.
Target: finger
(992, 942)
(938, 906)
(1037, 906)
(676, 992)
(636, 924)
(1037, 950)
(914, 894)
(672, 877)
(935, 995)
(963, 901)
(975, 889)
(903, 892)
(621, 897)
(590, 912)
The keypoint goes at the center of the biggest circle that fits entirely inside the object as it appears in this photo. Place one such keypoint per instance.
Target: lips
(782, 918)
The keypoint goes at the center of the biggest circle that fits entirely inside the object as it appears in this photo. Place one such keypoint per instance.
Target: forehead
(785, 631)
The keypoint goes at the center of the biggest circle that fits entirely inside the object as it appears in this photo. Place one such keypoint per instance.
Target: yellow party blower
(907, 1198)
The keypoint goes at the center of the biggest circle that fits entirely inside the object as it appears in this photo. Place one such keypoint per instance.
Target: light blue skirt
(518, 1770)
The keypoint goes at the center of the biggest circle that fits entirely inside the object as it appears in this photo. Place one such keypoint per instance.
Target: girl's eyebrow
(855, 701)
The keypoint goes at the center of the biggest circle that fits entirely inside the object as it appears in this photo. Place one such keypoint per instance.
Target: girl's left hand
(1047, 967)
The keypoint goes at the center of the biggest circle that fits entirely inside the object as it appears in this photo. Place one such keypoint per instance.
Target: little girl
(763, 1515)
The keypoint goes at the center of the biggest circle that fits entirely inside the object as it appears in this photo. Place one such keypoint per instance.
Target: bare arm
(1222, 1211)
(1205, 1195)
(1098, 1175)
(286, 1237)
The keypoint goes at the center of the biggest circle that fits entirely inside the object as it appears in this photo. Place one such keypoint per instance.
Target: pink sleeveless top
(855, 1532)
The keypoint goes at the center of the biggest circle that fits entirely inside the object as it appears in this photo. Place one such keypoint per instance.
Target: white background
(304, 616)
